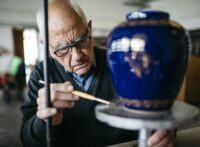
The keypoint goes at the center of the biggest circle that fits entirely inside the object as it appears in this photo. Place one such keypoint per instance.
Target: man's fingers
(41, 91)
(60, 104)
(55, 95)
(167, 141)
(63, 87)
(46, 112)
(63, 104)
(61, 98)
(171, 144)
(58, 95)
(157, 137)
(162, 138)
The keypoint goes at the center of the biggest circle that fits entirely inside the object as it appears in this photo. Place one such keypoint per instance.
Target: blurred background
(20, 49)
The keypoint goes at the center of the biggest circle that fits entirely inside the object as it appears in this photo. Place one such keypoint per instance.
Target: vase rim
(147, 14)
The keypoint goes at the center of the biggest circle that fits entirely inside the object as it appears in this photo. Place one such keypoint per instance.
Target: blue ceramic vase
(147, 57)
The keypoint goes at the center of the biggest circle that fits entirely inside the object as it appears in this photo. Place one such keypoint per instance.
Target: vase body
(147, 56)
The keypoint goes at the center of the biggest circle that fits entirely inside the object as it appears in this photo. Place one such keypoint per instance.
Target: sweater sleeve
(33, 129)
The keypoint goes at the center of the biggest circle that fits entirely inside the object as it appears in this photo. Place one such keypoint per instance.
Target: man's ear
(90, 24)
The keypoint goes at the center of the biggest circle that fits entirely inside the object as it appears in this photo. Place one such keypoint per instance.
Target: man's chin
(82, 70)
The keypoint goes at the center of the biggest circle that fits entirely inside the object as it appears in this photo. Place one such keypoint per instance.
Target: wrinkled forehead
(64, 21)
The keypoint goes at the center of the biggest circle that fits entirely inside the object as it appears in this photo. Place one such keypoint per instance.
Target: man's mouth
(79, 66)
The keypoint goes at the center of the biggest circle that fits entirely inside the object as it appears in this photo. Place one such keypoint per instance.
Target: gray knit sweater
(79, 126)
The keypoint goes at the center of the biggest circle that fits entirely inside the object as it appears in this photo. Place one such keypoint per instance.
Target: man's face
(71, 45)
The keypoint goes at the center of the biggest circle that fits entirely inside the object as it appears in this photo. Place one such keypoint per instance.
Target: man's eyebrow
(80, 37)
(64, 44)
(61, 45)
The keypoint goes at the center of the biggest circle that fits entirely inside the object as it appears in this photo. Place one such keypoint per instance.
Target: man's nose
(76, 54)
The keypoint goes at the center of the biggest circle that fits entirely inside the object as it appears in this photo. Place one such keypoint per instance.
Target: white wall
(6, 41)
(186, 12)
(105, 13)
(19, 12)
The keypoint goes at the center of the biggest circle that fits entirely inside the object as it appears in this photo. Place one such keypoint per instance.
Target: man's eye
(81, 44)
(61, 51)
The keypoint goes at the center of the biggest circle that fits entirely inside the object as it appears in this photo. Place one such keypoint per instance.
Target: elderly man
(74, 64)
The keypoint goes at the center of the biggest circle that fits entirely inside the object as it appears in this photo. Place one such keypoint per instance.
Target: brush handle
(85, 95)
(89, 97)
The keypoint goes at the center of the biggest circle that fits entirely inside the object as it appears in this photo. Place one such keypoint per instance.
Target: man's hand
(162, 138)
(61, 98)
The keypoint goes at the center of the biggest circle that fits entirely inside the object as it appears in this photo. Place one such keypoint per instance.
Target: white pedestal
(117, 116)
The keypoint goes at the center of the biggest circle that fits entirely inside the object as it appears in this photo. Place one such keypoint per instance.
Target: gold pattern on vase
(146, 103)
(151, 22)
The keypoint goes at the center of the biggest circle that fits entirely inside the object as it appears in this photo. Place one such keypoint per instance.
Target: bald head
(69, 35)
(62, 13)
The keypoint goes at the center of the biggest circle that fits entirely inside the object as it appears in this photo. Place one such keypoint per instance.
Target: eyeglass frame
(68, 47)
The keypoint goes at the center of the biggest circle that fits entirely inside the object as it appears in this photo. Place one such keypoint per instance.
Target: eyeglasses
(81, 43)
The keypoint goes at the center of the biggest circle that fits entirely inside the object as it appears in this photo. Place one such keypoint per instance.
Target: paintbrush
(85, 95)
